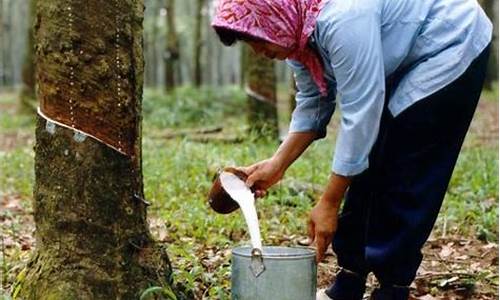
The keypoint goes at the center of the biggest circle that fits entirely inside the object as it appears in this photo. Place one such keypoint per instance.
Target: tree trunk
(261, 91)
(244, 64)
(491, 9)
(92, 235)
(495, 39)
(2, 56)
(219, 68)
(27, 97)
(292, 94)
(172, 52)
(7, 44)
(198, 43)
(150, 37)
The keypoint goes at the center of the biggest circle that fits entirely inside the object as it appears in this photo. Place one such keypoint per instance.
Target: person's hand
(263, 175)
(322, 226)
(323, 217)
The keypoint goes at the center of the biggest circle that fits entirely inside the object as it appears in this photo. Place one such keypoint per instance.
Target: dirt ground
(454, 267)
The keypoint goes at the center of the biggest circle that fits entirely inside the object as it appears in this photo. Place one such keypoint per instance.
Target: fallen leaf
(489, 246)
(448, 281)
(446, 251)
(427, 297)
(25, 246)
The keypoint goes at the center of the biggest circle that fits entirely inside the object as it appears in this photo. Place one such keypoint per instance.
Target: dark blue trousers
(390, 209)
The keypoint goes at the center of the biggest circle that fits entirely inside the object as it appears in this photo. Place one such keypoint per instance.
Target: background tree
(172, 52)
(6, 30)
(93, 240)
(27, 97)
(13, 38)
(2, 66)
(151, 37)
(260, 79)
(491, 9)
(198, 43)
(291, 95)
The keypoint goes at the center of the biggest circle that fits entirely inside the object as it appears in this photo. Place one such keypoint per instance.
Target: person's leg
(350, 239)
(419, 150)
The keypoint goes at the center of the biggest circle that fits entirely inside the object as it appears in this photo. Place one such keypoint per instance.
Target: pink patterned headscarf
(286, 23)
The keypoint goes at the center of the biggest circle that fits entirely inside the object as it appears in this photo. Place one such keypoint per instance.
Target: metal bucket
(279, 273)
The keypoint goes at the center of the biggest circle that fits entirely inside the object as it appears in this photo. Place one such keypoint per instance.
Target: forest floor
(460, 258)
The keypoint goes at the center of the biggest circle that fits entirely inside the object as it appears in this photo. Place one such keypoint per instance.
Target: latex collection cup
(218, 198)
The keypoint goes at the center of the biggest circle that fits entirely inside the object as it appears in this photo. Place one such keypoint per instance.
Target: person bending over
(406, 76)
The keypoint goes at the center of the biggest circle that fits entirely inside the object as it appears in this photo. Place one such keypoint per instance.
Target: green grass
(17, 171)
(9, 120)
(178, 174)
(188, 107)
(471, 203)
(492, 93)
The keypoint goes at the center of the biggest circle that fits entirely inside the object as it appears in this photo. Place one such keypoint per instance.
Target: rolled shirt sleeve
(355, 51)
(312, 111)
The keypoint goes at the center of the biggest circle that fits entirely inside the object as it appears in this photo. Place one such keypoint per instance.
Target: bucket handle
(257, 262)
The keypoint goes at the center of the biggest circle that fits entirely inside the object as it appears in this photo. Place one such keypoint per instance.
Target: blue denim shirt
(429, 43)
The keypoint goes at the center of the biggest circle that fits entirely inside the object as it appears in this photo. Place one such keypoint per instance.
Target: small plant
(164, 292)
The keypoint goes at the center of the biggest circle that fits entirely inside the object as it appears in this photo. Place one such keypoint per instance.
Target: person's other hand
(263, 175)
(322, 226)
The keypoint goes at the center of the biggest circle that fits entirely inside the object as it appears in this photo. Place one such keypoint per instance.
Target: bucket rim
(305, 252)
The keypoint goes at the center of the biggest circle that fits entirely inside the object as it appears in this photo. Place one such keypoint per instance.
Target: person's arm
(309, 120)
(322, 223)
(266, 173)
(292, 147)
(312, 111)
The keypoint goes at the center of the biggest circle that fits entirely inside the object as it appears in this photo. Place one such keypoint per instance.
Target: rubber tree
(260, 87)
(6, 42)
(150, 40)
(491, 9)
(2, 67)
(198, 43)
(92, 236)
(27, 96)
(172, 52)
(291, 95)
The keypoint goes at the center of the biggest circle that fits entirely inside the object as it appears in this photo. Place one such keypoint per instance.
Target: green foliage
(178, 173)
(471, 203)
(17, 171)
(164, 292)
(19, 283)
(188, 107)
(11, 122)
(491, 94)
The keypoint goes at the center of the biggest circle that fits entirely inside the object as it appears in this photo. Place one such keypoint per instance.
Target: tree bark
(491, 9)
(150, 38)
(261, 92)
(172, 51)
(8, 70)
(198, 43)
(93, 240)
(244, 64)
(2, 56)
(293, 92)
(27, 96)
